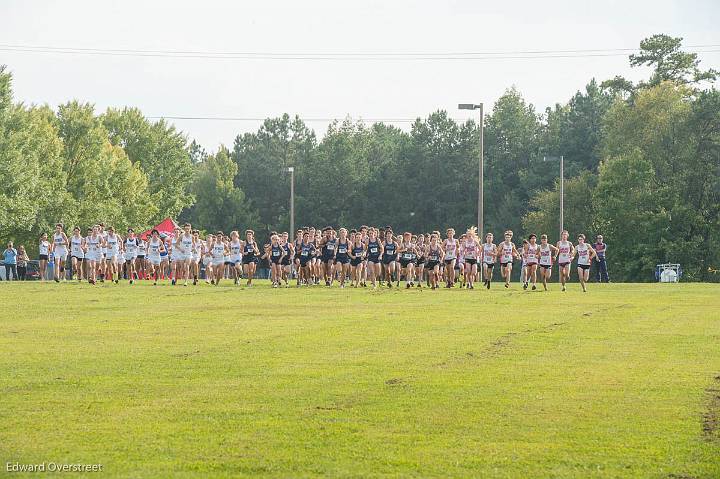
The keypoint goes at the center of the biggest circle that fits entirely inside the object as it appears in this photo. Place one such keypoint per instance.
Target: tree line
(642, 167)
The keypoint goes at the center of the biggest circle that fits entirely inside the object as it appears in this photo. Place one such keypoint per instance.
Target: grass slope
(222, 381)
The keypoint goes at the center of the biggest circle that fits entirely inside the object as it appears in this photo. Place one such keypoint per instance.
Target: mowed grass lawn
(623, 381)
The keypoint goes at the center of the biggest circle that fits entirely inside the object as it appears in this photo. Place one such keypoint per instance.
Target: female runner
(219, 250)
(131, 253)
(450, 245)
(235, 257)
(276, 254)
(421, 259)
(155, 249)
(547, 251)
(532, 255)
(585, 255)
(489, 252)
(287, 260)
(195, 256)
(508, 253)
(185, 243)
(298, 242)
(307, 247)
(374, 252)
(113, 243)
(408, 254)
(60, 251)
(434, 254)
(141, 265)
(93, 254)
(250, 250)
(389, 257)
(565, 254)
(77, 256)
(342, 256)
(357, 257)
(44, 249)
(164, 257)
(470, 251)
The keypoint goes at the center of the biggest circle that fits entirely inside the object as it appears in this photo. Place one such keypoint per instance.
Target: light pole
(481, 174)
(291, 169)
(562, 190)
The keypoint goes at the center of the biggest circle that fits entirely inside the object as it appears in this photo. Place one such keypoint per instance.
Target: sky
(339, 84)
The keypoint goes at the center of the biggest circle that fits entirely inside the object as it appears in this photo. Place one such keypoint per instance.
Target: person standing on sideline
(22, 259)
(10, 261)
(601, 272)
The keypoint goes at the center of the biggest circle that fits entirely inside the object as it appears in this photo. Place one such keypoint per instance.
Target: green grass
(226, 382)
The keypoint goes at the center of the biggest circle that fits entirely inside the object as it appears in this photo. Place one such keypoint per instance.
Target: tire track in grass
(711, 415)
(501, 343)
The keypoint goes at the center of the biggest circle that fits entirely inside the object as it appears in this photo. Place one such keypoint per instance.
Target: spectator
(10, 261)
(601, 273)
(22, 259)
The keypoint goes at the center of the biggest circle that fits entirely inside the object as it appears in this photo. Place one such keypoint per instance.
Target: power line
(306, 120)
(343, 56)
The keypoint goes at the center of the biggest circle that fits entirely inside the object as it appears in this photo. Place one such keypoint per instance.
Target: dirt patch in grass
(334, 407)
(394, 382)
(711, 416)
(185, 355)
(497, 346)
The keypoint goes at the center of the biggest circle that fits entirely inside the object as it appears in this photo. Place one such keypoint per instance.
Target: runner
(60, 251)
(219, 251)
(132, 246)
(420, 271)
(113, 244)
(207, 258)
(408, 254)
(490, 252)
(155, 249)
(470, 250)
(434, 253)
(249, 251)
(93, 254)
(374, 252)
(508, 253)
(195, 256)
(184, 255)
(287, 260)
(532, 256)
(585, 255)
(389, 257)
(357, 257)
(235, 256)
(141, 264)
(450, 245)
(342, 256)
(307, 247)
(275, 253)
(165, 255)
(77, 255)
(564, 256)
(44, 255)
(547, 251)
(523, 264)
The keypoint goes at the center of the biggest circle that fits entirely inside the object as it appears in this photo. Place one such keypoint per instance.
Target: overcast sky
(258, 88)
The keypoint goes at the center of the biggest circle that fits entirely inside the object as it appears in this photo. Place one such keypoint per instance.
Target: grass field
(623, 381)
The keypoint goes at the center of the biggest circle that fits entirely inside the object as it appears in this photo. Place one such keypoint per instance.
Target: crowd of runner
(362, 257)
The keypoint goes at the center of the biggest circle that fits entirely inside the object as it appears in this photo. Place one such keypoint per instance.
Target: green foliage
(642, 166)
(664, 54)
(579, 212)
(220, 204)
(162, 154)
